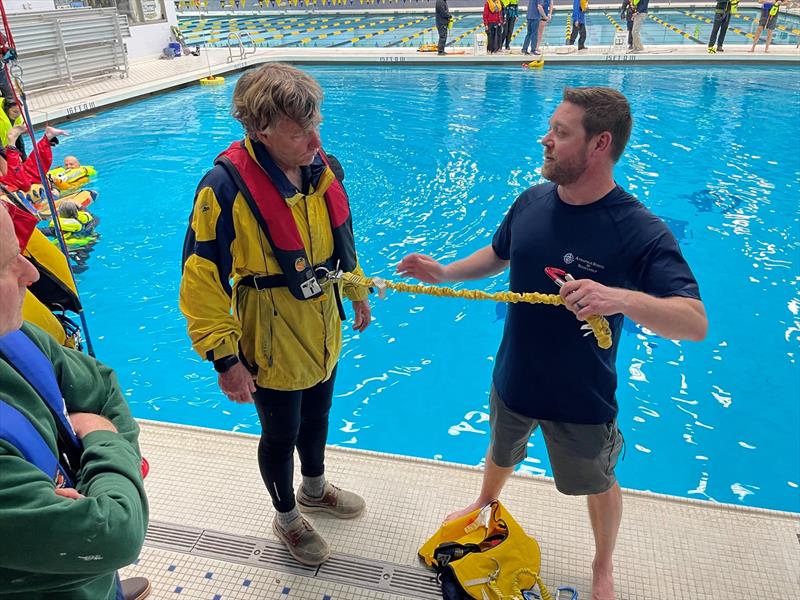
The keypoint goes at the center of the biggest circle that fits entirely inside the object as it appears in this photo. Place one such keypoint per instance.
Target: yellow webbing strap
(598, 324)
(518, 588)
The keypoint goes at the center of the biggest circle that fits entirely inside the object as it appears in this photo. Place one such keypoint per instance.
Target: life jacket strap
(266, 282)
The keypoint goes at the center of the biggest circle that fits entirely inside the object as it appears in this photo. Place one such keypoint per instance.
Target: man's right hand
(237, 384)
(85, 423)
(422, 267)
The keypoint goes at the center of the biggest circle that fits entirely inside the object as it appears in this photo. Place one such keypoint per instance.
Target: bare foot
(465, 511)
(752, 49)
(602, 584)
(14, 133)
(51, 132)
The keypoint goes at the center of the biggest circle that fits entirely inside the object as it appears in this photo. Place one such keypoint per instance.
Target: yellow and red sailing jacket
(290, 343)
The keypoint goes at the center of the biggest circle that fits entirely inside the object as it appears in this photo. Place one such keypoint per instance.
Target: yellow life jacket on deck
(494, 5)
(54, 291)
(489, 554)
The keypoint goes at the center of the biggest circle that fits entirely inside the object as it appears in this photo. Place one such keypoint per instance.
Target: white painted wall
(147, 41)
(13, 6)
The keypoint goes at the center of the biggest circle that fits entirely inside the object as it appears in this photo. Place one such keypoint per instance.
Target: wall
(147, 41)
(13, 6)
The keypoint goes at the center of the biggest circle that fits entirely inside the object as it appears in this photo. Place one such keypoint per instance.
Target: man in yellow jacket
(269, 221)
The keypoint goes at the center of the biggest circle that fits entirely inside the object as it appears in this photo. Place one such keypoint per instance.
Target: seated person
(10, 116)
(85, 500)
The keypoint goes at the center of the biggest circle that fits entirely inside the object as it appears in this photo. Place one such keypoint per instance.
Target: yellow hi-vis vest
(490, 555)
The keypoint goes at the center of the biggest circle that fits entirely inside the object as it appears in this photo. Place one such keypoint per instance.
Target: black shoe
(135, 588)
(527, 53)
(719, 49)
(581, 48)
(441, 53)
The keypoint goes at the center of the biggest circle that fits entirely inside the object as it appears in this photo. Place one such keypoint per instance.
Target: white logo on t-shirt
(569, 258)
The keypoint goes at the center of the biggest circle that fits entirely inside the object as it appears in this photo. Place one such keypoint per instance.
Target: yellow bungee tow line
(598, 324)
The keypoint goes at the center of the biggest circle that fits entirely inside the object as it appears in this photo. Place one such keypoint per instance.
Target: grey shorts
(770, 22)
(583, 457)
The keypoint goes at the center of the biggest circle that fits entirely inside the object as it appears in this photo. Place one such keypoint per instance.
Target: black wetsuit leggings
(720, 27)
(288, 420)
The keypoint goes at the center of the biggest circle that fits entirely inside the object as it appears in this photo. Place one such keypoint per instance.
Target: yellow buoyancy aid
(490, 555)
(494, 5)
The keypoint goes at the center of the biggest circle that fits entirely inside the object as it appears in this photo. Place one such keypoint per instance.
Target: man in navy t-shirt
(548, 372)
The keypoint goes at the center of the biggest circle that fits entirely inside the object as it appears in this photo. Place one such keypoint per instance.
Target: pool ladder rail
(235, 39)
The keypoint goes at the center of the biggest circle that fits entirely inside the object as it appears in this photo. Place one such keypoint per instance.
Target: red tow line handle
(559, 276)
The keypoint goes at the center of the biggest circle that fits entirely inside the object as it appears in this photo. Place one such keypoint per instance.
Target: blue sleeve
(662, 271)
(501, 242)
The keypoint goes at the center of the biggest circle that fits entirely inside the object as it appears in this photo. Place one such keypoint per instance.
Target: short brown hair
(273, 92)
(604, 109)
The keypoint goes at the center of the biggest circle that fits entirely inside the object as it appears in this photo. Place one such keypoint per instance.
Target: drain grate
(270, 554)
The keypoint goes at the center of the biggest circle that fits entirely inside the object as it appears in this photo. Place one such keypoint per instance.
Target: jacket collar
(311, 174)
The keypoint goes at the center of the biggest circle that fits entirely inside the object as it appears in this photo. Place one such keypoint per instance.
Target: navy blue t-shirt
(546, 368)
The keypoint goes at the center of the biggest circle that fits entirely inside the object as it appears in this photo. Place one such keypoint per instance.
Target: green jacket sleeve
(88, 385)
(92, 535)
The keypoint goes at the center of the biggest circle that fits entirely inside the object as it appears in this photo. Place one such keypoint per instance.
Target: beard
(564, 172)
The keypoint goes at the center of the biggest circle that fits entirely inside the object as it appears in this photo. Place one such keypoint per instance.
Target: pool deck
(154, 76)
(210, 532)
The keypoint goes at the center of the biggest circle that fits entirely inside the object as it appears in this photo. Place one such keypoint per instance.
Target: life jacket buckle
(323, 273)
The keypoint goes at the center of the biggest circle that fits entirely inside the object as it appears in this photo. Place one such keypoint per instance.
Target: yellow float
(211, 80)
(82, 199)
(534, 64)
(68, 179)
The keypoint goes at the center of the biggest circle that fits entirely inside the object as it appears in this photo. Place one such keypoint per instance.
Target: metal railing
(67, 46)
(244, 51)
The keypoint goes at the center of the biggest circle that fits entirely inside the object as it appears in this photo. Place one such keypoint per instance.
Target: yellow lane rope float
(598, 324)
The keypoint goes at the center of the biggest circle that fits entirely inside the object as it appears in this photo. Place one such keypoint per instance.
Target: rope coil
(598, 324)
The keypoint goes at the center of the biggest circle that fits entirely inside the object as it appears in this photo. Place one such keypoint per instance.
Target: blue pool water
(434, 158)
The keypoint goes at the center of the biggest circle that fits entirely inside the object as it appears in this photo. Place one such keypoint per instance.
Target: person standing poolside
(768, 20)
(579, 23)
(639, 17)
(722, 18)
(510, 14)
(626, 11)
(270, 220)
(534, 15)
(443, 18)
(493, 23)
(547, 373)
(546, 11)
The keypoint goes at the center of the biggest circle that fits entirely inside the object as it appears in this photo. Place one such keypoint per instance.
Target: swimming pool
(433, 159)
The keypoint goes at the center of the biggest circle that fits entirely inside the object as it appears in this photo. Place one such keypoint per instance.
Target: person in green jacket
(64, 542)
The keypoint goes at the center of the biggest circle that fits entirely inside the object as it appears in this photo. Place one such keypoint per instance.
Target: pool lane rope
(599, 325)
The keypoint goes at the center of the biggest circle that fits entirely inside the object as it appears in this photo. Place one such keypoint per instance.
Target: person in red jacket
(18, 175)
(493, 21)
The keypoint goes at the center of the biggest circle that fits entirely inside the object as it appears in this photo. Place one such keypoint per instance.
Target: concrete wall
(149, 40)
(13, 6)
